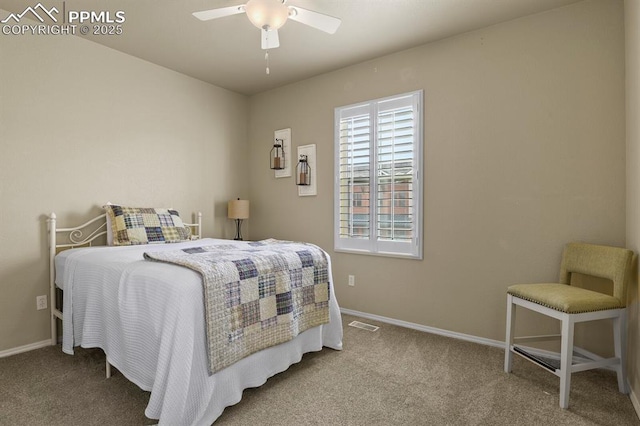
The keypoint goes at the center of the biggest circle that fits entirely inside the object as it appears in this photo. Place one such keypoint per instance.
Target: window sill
(379, 254)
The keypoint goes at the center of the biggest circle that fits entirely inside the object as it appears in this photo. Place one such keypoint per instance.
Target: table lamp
(238, 210)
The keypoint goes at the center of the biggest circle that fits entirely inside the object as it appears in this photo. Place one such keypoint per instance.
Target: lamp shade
(267, 14)
(238, 209)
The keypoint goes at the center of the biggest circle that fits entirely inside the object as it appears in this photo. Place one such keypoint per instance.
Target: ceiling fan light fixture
(267, 14)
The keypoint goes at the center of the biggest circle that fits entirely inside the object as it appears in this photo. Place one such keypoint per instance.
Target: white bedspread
(149, 319)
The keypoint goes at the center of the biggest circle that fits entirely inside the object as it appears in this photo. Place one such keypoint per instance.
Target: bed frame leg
(108, 368)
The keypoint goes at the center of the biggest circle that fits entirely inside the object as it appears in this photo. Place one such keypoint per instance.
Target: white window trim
(413, 249)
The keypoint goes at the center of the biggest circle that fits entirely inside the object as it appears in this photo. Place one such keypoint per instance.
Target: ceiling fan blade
(207, 15)
(320, 21)
(270, 39)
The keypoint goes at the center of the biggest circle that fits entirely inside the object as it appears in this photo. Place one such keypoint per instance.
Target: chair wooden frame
(567, 348)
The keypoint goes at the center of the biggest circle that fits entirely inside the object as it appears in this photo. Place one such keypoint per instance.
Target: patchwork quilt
(257, 294)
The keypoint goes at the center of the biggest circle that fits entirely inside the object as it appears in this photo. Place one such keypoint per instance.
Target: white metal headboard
(65, 238)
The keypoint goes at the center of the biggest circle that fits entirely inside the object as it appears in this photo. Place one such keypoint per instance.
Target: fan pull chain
(266, 58)
(266, 55)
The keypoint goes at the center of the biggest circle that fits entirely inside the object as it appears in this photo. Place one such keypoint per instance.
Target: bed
(149, 319)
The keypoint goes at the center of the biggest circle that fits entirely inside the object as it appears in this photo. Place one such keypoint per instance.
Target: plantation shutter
(395, 173)
(378, 147)
(355, 173)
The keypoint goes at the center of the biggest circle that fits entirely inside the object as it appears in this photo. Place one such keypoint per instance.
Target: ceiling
(226, 52)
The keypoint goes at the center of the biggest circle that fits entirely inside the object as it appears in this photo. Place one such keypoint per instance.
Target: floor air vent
(364, 326)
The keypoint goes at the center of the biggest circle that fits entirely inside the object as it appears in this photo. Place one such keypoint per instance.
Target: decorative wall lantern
(277, 157)
(303, 172)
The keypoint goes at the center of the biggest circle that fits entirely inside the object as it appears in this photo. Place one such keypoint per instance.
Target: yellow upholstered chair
(570, 305)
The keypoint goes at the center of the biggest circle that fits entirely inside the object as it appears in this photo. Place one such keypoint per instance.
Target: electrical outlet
(41, 302)
(352, 280)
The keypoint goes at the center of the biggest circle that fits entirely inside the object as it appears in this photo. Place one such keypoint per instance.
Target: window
(378, 161)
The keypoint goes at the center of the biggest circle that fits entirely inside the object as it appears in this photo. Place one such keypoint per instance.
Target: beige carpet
(393, 376)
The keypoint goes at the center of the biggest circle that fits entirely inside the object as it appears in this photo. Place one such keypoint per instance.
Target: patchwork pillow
(141, 225)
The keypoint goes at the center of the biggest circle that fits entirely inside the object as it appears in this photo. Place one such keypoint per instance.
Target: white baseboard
(462, 336)
(25, 348)
(427, 329)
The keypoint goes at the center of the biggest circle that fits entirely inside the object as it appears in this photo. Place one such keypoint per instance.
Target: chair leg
(508, 341)
(566, 357)
(619, 339)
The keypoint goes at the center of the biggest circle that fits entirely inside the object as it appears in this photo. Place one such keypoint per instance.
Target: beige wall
(524, 151)
(81, 124)
(632, 38)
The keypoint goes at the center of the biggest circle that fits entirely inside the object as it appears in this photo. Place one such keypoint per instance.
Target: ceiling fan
(270, 15)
